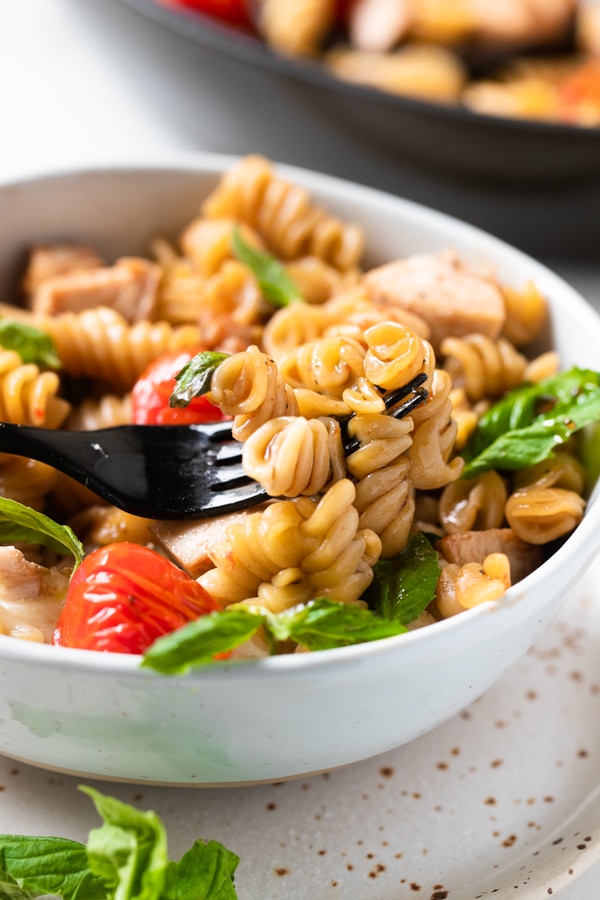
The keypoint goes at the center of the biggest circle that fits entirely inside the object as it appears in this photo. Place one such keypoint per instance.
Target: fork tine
(229, 476)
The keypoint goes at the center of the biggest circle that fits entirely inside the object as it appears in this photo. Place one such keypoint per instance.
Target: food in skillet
(263, 311)
(531, 59)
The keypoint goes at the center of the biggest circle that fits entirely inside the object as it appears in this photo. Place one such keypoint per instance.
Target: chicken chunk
(31, 596)
(50, 260)
(189, 543)
(451, 297)
(130, 287)
(474, 546)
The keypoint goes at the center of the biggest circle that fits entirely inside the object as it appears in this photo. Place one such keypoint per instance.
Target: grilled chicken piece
(452, 298)
(474, 546)
(50, 260)
(130, 287)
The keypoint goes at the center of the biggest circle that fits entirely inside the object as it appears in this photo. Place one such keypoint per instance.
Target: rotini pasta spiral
(482, 366)
(478, 504)
(463, 587)
(547, 502)
(542, 514)
(248, 386)
(283, 215)
(291, 455)
(386, 503)
(296, 550)
(102, 412)
(432, 465)
(29, 396)
(99, 343)
(526, 314)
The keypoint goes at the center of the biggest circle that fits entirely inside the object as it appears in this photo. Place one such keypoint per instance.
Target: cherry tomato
(151, 392)
(124, 596)
(234, 12)
(579, 94)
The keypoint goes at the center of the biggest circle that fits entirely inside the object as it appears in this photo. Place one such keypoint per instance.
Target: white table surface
(91, 80)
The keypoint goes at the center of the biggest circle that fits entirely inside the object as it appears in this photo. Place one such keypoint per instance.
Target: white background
(91, 80)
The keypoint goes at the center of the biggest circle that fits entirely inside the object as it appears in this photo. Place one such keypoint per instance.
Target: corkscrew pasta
(355, 403)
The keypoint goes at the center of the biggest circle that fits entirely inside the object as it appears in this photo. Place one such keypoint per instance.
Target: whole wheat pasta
(473, 505)
(295, 550)
(283, 215)
(248, 386)
(291, 455)
(481, 366)
(29, 396)
(463, 587)
(99, 343)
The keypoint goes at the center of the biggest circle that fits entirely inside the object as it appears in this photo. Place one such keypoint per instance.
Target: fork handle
(79, 455)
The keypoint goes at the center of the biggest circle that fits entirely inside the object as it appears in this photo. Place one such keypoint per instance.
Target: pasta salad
(421, 448)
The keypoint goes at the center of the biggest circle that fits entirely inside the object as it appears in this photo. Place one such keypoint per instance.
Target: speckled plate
(502, 801)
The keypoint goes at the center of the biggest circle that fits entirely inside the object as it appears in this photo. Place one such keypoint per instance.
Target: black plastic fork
(165, 471)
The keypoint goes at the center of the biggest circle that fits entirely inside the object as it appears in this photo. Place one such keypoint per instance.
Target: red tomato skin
(124, 596)
(234, 12)
(151, 392)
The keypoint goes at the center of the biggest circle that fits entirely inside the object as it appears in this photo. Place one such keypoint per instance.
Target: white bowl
(99, 715)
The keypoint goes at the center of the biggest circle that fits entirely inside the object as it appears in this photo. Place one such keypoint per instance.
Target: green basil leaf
(323, 624)
(273, 279)
(319, 625)
(32, 867)
(32, 345)
(527, 424)
(195, 377)
(197, 643)
(21, 523)
(205, 872)
(404, 586)
(589, 452)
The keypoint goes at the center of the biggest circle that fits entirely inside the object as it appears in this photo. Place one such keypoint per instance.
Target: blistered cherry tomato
(151, 392)
(124, 596)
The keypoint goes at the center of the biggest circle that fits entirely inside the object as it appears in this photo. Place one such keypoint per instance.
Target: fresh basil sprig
(276, 285)
(525, 426)
(124, 859)
(32, 345)
(403, 587)
(195, 377)
(321, 624)
(22, 523)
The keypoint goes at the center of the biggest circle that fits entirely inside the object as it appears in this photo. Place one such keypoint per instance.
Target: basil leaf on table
(276, 285)
(321, 624)
(32, 867)
(124, 859)
(21, 523)
(525, 426)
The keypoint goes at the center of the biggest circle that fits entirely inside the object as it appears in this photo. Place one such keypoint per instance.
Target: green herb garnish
(321, 624)
(21, 523)
(403, 587)
(32, 345)
(195, 377)
(273, 278)
(525, 426)
(125, 859)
